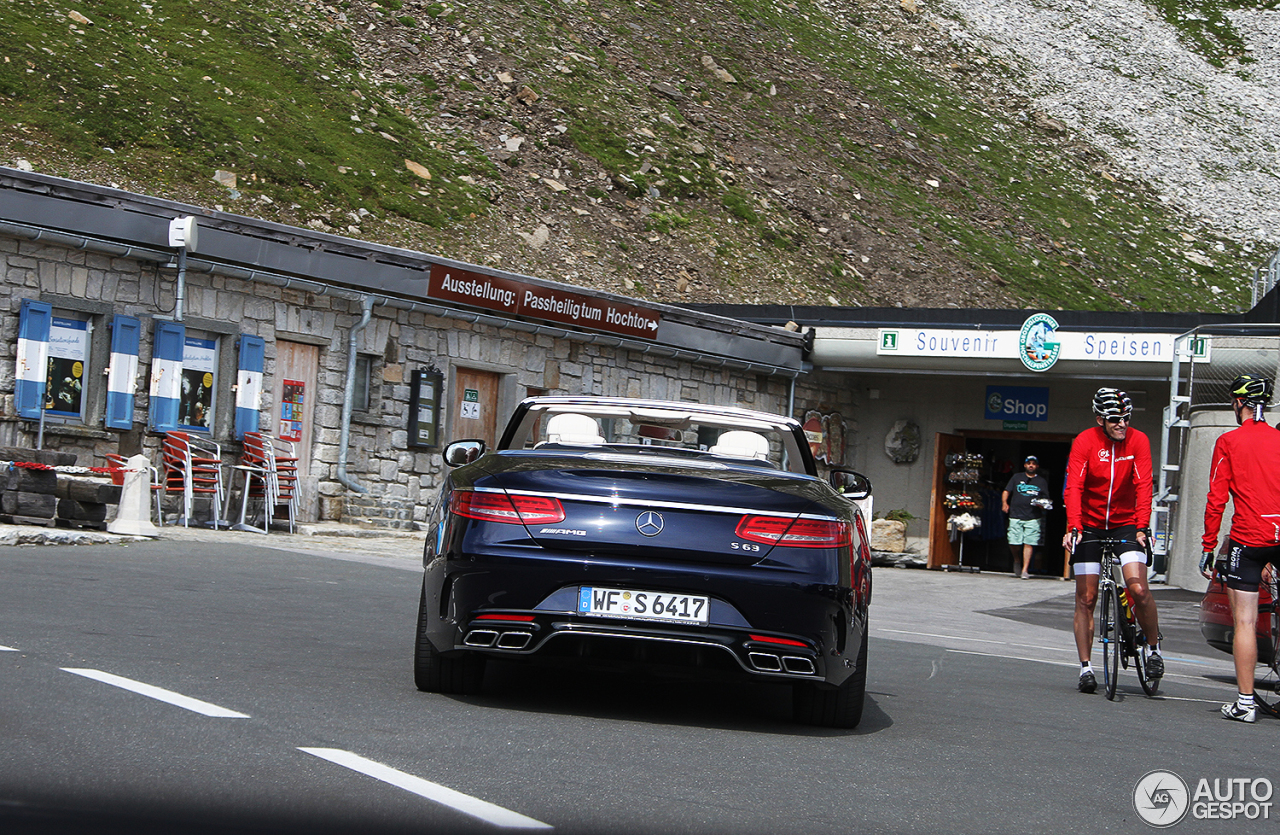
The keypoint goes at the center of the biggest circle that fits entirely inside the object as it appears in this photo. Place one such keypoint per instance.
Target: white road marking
(1194, 680)
(7, 649)
(1017, 658)
(458, 801)
(158, 693)
(934, 635)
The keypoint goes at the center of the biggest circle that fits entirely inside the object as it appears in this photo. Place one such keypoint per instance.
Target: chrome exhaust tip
(764, 662)
(798, 665)
(514, 640)
(480, 638)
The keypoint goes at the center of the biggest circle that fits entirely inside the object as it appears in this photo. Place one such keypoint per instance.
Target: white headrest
(573, 428)
(740, 444)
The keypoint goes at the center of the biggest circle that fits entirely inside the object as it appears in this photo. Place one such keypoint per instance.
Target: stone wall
(401, 482)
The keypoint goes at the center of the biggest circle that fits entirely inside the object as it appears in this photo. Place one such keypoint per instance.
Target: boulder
(888, 535)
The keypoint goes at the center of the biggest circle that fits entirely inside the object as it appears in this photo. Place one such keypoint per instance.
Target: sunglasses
(1118, 420)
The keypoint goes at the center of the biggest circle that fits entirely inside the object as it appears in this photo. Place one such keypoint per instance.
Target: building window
(65, 395)
(362, 384)
(198, 398)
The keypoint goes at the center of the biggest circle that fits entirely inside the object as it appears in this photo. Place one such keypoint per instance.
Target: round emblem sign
(1161, 798)
(1038, 345)
(995, 402)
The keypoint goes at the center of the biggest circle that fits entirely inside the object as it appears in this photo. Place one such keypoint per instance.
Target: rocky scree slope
(845, 153)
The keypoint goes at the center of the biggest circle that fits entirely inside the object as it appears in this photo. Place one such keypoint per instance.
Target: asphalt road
(972, 722)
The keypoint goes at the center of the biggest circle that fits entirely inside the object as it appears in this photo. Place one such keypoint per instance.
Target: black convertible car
(683, 538)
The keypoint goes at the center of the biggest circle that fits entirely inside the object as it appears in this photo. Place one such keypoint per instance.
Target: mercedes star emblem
(649, 523)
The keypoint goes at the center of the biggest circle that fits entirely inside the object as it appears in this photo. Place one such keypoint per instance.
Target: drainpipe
(183, 234)
(349, 398)
(182, 284)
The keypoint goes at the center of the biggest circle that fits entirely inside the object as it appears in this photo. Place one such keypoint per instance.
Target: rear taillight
(800, 533)
(786, 642)
(513, 509)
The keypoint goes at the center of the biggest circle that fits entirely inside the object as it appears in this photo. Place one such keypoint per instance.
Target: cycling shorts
(1244, 564)
(1087, 557)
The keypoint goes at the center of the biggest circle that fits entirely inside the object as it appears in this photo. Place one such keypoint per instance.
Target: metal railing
(1265, 278)
(1205, 361)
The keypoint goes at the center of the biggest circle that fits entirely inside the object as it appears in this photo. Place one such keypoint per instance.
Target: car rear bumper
(763, 625)
(608, 642)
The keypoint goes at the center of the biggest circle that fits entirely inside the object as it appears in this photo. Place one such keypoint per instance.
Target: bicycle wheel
(1109, 634)
(1275, 635)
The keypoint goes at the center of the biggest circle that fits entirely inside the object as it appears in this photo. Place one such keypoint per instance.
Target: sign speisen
(1013, 403)
(1094, 346)
(550, 304)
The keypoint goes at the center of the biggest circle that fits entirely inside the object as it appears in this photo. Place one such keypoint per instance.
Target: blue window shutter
(249, 384)
(166, 374)
(122, 375)
(33, 358)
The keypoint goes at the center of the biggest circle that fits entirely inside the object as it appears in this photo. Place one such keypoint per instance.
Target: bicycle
(1118, 630)
(1270, 653)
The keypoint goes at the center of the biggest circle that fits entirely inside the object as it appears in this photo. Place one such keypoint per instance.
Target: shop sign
(534, 301)
(1017, 403)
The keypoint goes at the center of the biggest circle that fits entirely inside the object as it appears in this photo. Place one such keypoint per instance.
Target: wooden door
(475, 405)
(941, 551)
(294, 391)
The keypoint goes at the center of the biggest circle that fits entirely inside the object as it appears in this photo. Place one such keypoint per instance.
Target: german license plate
(642, 605)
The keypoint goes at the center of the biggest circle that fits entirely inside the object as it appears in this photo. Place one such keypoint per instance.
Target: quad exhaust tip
(767, 662)
(480, 638)
(514, 640)
(493, 638)
(798, 664)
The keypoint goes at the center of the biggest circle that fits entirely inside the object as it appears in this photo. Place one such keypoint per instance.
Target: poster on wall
(68, 351)
(195, 402)
(291, 402)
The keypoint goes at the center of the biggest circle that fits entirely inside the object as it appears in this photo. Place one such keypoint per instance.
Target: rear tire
(1109, 634)
(839, 707)
(461, 673)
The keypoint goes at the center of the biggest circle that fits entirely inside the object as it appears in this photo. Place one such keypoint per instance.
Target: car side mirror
(854, 486)
(463, 452)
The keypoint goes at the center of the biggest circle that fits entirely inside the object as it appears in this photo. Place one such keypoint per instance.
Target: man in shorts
(1023, 500)
(1108, 496)
(1246, 467)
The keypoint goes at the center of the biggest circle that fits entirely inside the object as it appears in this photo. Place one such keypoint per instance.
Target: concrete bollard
(133, 514)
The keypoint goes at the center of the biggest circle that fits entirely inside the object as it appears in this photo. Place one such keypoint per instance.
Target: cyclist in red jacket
(1108, 495)
(1246, 466)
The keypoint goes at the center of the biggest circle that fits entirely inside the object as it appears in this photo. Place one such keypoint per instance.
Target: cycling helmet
(1112, 403)
(1252, 390)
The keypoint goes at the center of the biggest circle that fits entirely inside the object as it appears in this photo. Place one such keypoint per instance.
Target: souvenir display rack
(962, 503)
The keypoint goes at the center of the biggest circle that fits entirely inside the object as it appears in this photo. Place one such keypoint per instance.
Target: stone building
(128, 316)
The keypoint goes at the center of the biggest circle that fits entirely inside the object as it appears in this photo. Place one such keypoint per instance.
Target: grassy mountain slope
(679, 150)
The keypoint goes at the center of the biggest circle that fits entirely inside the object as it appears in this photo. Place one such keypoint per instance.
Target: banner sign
(1017, 403)
(533, 301)
(1104, 346)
